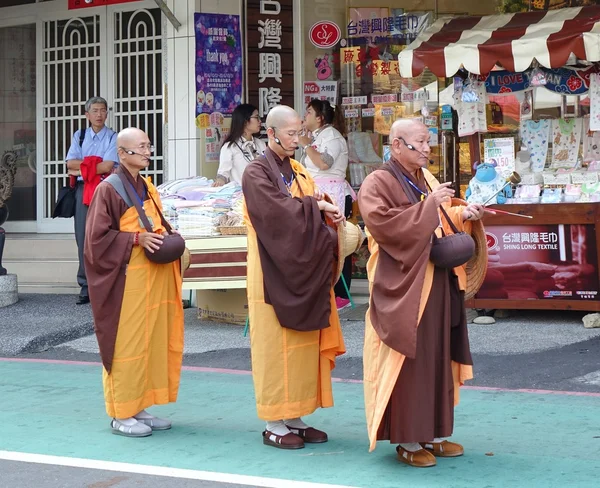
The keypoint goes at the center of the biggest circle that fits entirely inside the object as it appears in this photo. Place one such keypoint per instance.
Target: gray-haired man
(96, 140)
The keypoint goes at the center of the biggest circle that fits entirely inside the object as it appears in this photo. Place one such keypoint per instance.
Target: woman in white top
(325, 151)
(240, 147)
(325, 155)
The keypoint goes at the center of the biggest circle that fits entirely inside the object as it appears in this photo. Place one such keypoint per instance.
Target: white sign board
(501, 151)
(321, 90)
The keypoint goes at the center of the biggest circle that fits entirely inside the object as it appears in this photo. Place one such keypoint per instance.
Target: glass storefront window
(361, 72)
(18, 115)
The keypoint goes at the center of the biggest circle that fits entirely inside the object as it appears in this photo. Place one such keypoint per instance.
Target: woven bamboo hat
(185, 261)
(477, 266)
(350, 238)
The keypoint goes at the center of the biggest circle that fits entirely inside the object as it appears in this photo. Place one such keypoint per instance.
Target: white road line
(143, 469)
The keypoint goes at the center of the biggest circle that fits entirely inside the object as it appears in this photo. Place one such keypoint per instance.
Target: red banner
(75, 4)
(533, 262)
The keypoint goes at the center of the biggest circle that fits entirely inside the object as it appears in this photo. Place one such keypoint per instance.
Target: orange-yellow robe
(291, 370)
(142, 321)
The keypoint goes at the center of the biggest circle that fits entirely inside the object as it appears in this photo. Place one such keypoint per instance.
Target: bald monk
(295, 332)
(416, 351)
(137, 308)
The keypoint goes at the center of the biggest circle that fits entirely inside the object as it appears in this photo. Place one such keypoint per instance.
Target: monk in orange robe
(295, 332)
(136, 303)
(416, 351)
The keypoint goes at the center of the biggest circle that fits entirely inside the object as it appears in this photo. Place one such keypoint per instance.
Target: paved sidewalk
(38, 322)
(511, 439)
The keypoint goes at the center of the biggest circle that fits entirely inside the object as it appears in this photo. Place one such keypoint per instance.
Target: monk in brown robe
(416, 351)
(136, 303)
(295, 332)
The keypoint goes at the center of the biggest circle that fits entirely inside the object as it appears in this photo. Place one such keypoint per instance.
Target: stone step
(60, 272)
(25, 247)
(49, 288)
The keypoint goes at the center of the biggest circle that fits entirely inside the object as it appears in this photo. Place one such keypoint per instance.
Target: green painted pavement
(536, 439)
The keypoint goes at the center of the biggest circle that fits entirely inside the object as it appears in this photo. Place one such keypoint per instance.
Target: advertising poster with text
(218, 63)
(532, 262)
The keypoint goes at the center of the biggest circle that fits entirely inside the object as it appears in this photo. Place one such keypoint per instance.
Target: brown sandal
(310, 435)
(288, 441)
(418, 459)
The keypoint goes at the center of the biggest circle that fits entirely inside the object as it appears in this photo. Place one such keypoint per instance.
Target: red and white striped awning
(511, 40)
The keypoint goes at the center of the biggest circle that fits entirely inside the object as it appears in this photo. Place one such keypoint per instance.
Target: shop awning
(510, 40)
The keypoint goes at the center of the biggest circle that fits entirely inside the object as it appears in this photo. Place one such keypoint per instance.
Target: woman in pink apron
(325, 155)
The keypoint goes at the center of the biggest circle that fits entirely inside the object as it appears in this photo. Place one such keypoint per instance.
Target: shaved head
(131, 136)
(409, 141)
(281, 115)
(134, 149)
(405, 127)
(283, 129)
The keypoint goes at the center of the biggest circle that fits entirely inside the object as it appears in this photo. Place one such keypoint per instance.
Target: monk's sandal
(136, 430)
(155, 423)
(444, 448)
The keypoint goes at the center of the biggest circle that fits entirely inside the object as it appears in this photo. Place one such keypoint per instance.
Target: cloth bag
(448, 251)
(173, 246)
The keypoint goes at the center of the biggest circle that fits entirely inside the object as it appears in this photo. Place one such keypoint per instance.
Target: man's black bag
(65, 203)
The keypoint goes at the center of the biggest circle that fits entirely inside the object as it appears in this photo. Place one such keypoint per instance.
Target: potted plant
(8, 170)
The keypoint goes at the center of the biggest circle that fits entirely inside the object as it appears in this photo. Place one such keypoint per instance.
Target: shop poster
(548, 262)
(500, 151)
(218, 63)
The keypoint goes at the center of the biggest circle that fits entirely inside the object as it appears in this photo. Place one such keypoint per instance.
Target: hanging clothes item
(591, 142)
(471, 114)
(566, 137)
(594, 95)
(535, 136)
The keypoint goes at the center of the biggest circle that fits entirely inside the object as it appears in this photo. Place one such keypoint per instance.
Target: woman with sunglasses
(240, 147)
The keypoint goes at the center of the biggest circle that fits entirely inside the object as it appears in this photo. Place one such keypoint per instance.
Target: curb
(55, 338)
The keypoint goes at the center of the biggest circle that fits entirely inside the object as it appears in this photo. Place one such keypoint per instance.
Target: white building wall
(185, 141)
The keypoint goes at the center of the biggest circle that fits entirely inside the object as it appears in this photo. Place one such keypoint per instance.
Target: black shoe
(82, 300)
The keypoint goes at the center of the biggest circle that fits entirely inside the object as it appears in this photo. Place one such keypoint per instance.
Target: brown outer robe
(403, 233)
(106, 254)
(296, 249)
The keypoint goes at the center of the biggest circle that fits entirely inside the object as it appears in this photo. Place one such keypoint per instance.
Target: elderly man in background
(416, 351)
(95, 146)
(295, 332)
(136, 303)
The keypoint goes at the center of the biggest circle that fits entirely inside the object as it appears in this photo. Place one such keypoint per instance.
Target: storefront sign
(321, 90)
(354, 100)
(325, 34)
(368, 112)
(218, 63)
(389, 98)
(400, 27)
(500, 151)
(75, 4)
(529, 262)
(415, 96)
(559, 80)
(270, 60)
